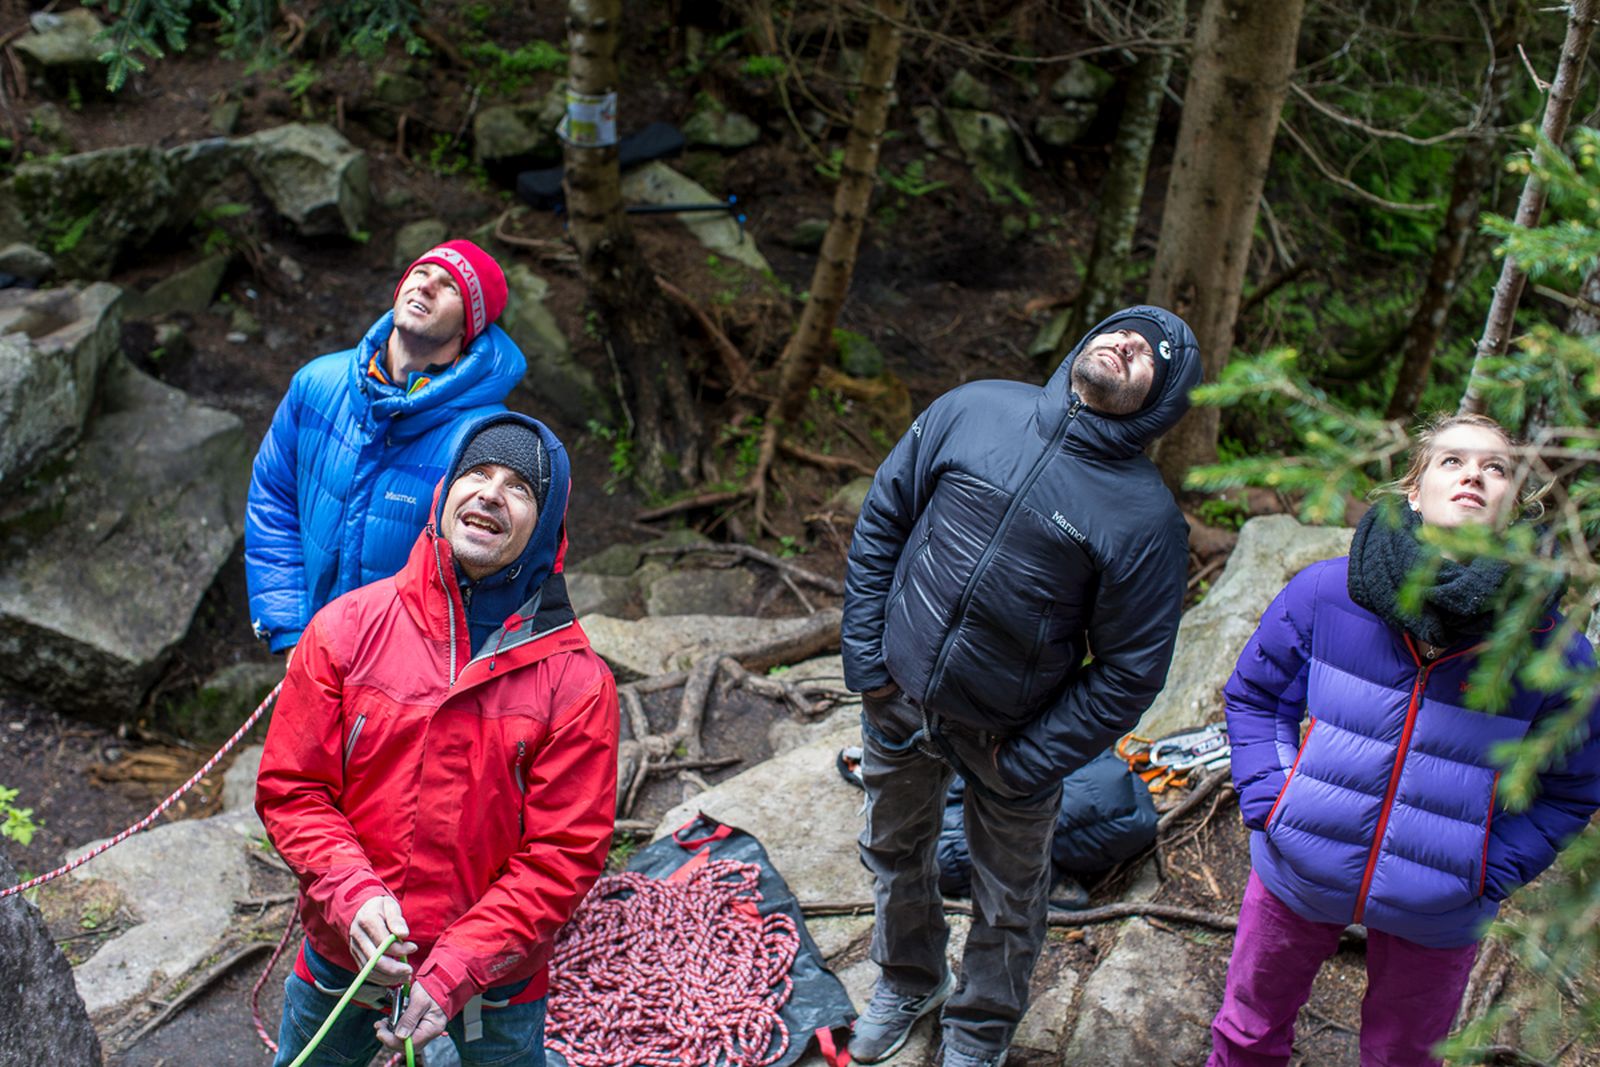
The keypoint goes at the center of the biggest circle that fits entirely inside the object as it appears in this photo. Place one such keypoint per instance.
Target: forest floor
(938, 286)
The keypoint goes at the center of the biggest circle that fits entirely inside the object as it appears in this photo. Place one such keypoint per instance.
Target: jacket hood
(487, 369)
(1127, 435)
(498, 595)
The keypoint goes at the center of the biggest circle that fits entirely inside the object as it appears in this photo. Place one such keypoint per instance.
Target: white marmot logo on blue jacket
(1072, 531)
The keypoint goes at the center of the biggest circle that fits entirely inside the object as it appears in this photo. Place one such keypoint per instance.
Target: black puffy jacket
(1011, 531)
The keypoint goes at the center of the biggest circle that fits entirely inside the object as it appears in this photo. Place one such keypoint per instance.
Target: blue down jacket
(1386, 812)
(1106, 816)
(344, 479)
(1011, 531)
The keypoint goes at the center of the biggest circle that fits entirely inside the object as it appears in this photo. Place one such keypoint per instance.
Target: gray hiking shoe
(955, 1057)
(883, 1028)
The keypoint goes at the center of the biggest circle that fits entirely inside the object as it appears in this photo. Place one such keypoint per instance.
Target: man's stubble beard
(1103, 391)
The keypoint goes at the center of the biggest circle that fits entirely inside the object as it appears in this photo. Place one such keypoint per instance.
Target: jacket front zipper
(1421, 683)
(450, 605)
(1060, 440)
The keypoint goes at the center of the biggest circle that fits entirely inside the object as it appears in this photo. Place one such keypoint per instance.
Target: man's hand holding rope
(422, 1021)
(376, 920)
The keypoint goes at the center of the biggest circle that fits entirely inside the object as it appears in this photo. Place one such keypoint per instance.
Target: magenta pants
(1412, 991)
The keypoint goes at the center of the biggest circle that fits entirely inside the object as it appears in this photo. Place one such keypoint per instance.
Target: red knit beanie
(478, 277)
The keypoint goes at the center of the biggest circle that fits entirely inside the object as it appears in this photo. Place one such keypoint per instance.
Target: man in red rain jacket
(442, 766)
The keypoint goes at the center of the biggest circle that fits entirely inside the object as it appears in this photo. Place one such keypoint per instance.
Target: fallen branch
(1104, 913)
(198, 986)
(733, 360)
(271, 900)
(798, 573)
(692, 503)
(827, 463)
(1204, 788)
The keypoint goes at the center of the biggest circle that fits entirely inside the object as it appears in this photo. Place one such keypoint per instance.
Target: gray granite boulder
(657, 645)
(105, 563)
(314, 178)
(44, 1020)
(506, 135)
(561, 383)
(189, 290)
(1082, 80)
(26, 261)
(183, 918)
(54, 344)
(699, 591)
(1145, 1003)
(415, 238)
(989, 146)
(62, 47)
(657, 183)
(1271, 550)
(966, 92)
(89, 209)
(714, 126)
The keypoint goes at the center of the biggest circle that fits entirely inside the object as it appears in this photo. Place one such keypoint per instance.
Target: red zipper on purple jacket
(1301, 751)
(1423, 670)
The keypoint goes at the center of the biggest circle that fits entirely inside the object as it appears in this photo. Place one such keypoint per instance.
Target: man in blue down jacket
(1011, 603)
(345, 475)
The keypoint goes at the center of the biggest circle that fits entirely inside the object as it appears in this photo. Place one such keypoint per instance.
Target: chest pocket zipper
(350, 745)
(522, 789)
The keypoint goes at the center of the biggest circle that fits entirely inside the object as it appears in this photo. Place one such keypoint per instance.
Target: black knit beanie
(1160, 348)
(513, 445)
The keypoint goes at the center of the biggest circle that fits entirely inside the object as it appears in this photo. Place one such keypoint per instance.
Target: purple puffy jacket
(1385, 811)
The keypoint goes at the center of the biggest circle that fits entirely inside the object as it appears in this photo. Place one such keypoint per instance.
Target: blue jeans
(513, 1036)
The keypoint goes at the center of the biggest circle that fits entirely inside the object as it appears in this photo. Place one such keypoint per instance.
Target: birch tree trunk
(1123, 191)
(635, 319)
(1239, 74)
(830, 282)
(1581, 16)
(1473, 170)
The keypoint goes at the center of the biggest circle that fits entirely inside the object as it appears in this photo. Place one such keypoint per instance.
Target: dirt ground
(946, 296)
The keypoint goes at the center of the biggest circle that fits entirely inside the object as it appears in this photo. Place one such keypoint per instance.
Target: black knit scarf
(1460, 601)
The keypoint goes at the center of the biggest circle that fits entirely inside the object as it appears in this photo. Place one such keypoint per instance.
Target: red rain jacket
(483, 802)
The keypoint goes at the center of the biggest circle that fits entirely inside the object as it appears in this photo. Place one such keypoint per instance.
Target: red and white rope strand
(144, 823)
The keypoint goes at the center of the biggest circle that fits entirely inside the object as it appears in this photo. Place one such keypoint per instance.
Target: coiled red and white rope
(677, 973)
(144, 823)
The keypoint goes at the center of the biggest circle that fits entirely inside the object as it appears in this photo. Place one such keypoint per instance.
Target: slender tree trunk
(635, 319)
(1123, 192)
(830, 282)
(1581, 17)
(1239, 74)
(1473, 170)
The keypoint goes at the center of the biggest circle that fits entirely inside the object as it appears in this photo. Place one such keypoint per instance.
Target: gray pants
(1009, 836)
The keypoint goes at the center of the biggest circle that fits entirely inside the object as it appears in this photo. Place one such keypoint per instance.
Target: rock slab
(54, 344)
(1271, 550)
(44, 1020)
(104, 566)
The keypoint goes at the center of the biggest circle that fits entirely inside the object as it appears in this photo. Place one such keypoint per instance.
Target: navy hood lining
(523, 576)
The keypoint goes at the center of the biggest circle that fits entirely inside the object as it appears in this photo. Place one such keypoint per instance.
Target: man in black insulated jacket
(1011, 603)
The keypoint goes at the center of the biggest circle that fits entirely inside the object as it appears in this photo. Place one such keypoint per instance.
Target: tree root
(733, 360)
(1086, 917)
(782, 566)
(192, 991)
(827, 463)
(681, 750)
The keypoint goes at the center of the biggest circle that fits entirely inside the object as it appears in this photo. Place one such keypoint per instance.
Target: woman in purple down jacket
(1383, 810)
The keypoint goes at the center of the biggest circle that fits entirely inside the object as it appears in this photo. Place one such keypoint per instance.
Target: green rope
(338, 1008)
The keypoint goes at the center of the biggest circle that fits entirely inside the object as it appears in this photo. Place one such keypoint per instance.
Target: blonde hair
(1425, 443)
